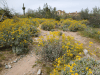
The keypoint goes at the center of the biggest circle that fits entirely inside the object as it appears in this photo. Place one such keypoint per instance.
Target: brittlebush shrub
(48, 25)
(51, 46)
(84, 66)
(80, 66)
(31, 21)
(17, 35)
(77, 26)
(67, 22)
(55, 45)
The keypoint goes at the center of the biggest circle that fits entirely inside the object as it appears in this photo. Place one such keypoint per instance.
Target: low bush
(67, 22)
(55, 45)
(57, 18)
(85, 66)
(77, 26)
(51, 46)
(92, 33)
(17, 35)
(48, 25)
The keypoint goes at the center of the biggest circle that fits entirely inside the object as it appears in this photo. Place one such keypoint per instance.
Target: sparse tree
(84, 14)
(6, 10)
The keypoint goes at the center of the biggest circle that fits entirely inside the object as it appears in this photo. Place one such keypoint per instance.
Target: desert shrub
(48, 25)
(77, 26)
(51, 47)
(55, 45)
(93, 17)
(92, 33)
(17, 35)
(30, 21)
(79, 66)
(51, 51)
(57, 18)
(85, 66)
(84, 22)
(34, 31)
(65, 28)
(67, 22)
(41, 20)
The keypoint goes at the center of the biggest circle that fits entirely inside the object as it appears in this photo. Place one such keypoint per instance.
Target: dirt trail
(24, 66)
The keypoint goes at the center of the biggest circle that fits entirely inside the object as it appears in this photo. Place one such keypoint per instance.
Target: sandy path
(23, 66)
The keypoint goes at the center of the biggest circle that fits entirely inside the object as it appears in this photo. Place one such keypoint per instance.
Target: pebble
(6, 67)
(85, 51)
(39, 72)
(15, 61)
(9, 66)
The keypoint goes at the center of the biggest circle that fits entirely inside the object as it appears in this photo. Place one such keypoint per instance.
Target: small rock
(6, 67)
(15, 61)
(39, 72)
(85, 51)
(9, 66)
(22, 56)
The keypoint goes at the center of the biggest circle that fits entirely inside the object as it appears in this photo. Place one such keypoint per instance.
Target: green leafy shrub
(57, 18)
(92, 33)
(56, 44)
(17, 35)
(51, 51)
(65, 28)
(48, 25)
(77, 26)
(85, 66)
(67, 22)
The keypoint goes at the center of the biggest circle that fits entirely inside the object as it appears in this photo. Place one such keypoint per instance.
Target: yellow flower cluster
(73, 25)
(17, 30)
(48, 25)
(69, 46)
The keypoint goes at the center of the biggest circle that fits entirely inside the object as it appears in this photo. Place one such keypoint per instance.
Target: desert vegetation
(64, 52)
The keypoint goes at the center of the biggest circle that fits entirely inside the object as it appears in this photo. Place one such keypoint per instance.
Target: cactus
(23, 9)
